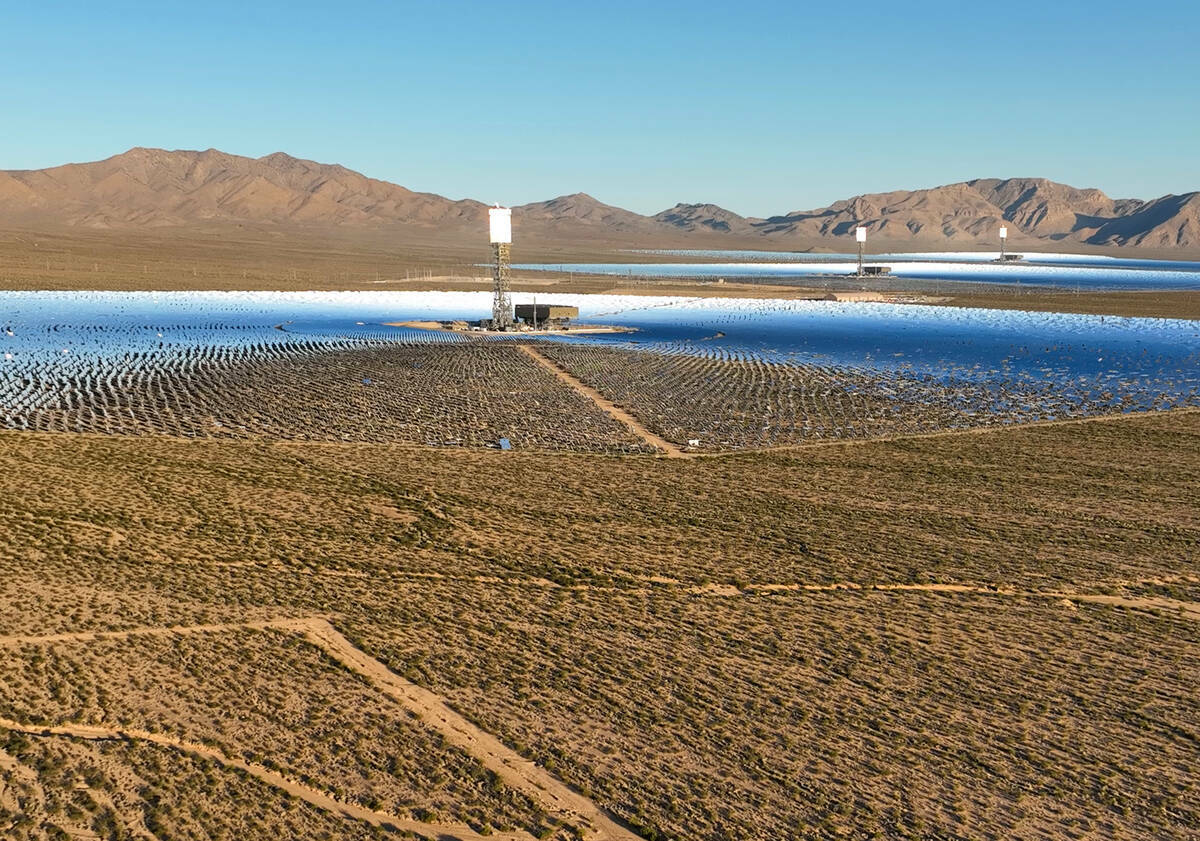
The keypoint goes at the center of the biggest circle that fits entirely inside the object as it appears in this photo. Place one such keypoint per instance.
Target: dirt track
(517, 772)
(541, 786)
(942, 433)
(88, 636)
(534, 781)
(606, 405)
(310, 795)
(325, 636)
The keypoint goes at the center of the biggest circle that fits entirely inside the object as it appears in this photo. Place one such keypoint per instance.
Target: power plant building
(546, 315)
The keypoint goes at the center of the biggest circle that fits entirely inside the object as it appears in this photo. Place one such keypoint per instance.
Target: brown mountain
(706, 217)
(955, 213)
(1044, 208)
(1167, 222)
(155, 187)
(148, 188)
(971, 212)
(582, 209)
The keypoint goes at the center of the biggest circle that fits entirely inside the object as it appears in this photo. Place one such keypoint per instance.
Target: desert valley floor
(292, 575)
(977, 634)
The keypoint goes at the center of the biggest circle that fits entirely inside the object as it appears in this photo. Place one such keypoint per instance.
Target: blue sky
(755, 107)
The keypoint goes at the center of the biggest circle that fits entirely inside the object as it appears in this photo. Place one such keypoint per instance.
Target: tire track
(945, 433)
(517, 772)
(606, 405)
(521, 774)
(1188, 610)
(282, 624)
(524, 775)
(310, 795)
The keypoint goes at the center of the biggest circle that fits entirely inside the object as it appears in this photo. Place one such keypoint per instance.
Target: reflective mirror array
(711, 373)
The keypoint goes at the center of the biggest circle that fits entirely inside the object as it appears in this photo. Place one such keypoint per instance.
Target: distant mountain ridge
(156, 187)
(147, 188)
(972, 212)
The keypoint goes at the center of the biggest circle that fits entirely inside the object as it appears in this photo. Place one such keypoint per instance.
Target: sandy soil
(520, 773)
(464, 328)
(729, 648)
(537, 783)
(418, 325)
(317, 798)
(251, 260)
(946, 433)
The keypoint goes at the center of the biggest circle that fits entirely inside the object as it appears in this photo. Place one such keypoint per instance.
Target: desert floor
(976, 635)
(258, 259)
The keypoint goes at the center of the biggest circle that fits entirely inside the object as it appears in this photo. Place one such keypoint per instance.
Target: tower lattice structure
(502, 311)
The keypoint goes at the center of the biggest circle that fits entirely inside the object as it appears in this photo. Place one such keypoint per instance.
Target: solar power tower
(860, 236)
(500, 225)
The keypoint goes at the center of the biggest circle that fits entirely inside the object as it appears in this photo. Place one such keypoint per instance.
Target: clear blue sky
(751, 106)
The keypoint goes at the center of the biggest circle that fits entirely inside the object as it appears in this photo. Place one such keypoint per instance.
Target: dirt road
(517, 772)
(523, 775)
(551, 793)
(297, 789)
(606, 405)
(283, 624)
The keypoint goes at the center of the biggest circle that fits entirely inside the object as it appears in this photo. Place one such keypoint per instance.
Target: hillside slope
(157, 188)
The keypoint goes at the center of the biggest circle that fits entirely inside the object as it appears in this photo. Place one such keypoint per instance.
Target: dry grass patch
(516, 586)
(268, 698)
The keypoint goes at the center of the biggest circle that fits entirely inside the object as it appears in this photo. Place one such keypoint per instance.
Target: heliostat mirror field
(708, 374)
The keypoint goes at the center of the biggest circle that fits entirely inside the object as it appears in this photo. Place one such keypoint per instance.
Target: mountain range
(155, 188)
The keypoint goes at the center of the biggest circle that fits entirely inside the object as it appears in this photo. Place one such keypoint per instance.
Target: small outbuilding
(546, 315)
